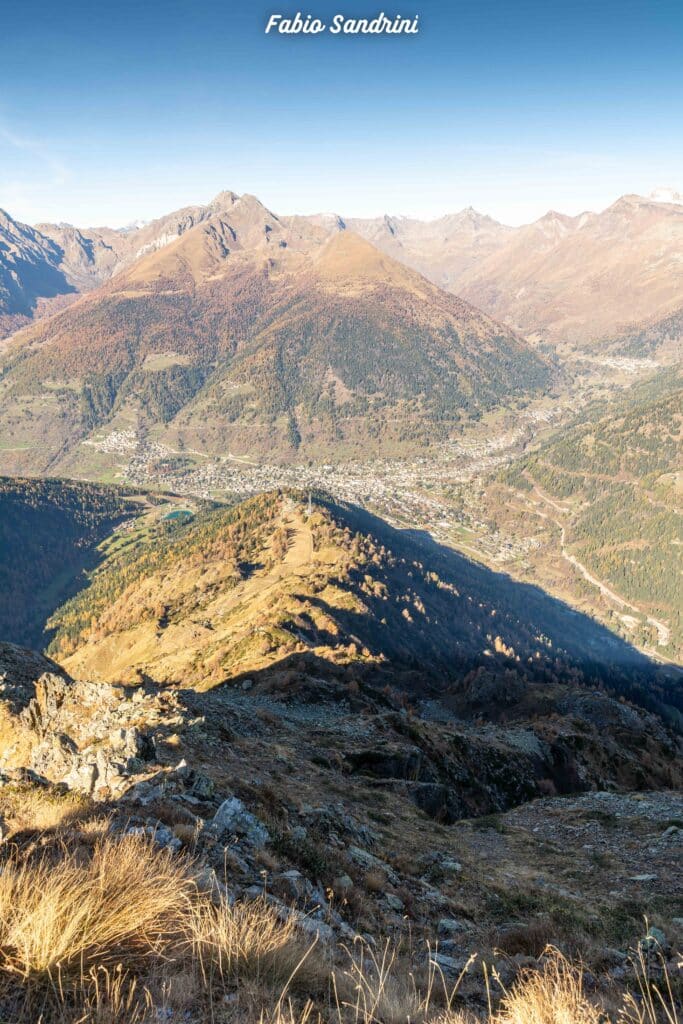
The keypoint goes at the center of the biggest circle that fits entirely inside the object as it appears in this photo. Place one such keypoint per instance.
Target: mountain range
(560, 279)
(252, 334)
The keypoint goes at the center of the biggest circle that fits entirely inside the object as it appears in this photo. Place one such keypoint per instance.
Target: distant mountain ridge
(30, 269)
(49, 260)
(441, 249)
(250, 333)
(560, 278)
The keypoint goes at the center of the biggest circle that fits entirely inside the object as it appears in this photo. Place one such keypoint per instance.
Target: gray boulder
(232, 818)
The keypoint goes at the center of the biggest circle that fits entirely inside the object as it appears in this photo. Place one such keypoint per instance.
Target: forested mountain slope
(615, 479)
(270, 344)
(658, 337)
(49, 532)
(233, 591)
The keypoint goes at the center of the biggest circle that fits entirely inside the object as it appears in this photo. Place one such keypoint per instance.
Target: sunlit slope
(282, 344)
(245, 589)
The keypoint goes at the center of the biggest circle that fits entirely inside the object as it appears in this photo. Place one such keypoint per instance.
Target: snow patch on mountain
(666, 195)
(157, 243)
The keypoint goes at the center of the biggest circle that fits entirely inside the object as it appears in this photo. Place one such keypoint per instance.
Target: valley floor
(447, 494)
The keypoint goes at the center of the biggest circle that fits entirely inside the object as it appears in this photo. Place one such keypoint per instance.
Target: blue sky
(113, 111)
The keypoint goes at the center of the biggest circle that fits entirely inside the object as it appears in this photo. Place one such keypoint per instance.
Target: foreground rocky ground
(350, 819)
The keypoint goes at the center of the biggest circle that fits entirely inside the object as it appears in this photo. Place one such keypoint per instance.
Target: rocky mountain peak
(224, 200)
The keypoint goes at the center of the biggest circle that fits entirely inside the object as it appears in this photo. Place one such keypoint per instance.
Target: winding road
(663, 631)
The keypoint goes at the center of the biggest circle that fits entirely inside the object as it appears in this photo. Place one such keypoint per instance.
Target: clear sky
(113, 110)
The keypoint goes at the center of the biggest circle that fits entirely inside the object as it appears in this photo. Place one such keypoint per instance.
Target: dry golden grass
(62, 918)
(656, 1001)
(41, 808)
(385, 987)
(187, 834)
(249, 941)
(107, 997)
(118, 933)
(552, 995)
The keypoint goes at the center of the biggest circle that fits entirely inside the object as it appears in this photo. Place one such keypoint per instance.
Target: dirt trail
(295, 563)
(549, 501)
(663, 631)
(169, 654)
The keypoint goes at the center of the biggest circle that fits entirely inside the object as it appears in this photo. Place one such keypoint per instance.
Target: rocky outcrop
(105, 768)
(89, 737)
(20, 669)
(233, 819)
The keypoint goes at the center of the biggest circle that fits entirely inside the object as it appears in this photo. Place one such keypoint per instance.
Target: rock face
(19, 671)
(81, 735)
(106, 770)
(29, 269)
(43, 712)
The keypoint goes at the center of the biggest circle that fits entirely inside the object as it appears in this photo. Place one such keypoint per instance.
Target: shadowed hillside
(49, 533)
(237, 590)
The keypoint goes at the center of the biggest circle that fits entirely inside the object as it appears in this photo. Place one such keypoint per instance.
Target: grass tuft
(57, 919)
(552, 995)
(117, 932)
